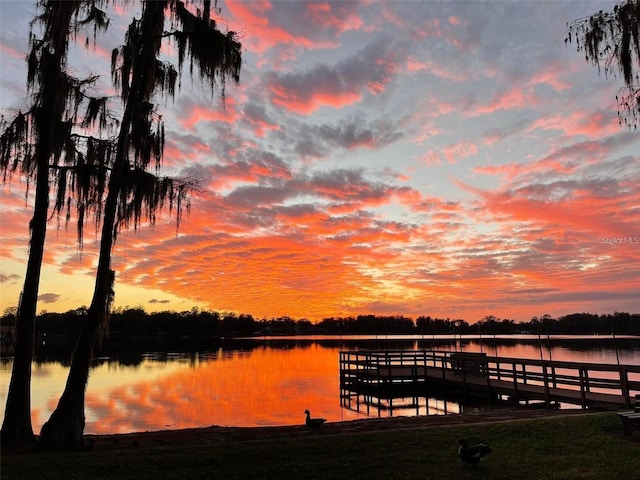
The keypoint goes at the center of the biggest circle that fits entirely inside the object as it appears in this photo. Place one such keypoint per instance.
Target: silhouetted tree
(138, 73)
(35, 143)
(612, 39)
(233, 324)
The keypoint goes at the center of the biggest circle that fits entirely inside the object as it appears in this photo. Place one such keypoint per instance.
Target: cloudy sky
(452, 159)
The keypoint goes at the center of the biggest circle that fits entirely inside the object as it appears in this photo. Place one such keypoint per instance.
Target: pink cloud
(91, 48)
(431, 158)
(199, 113)
(12, 52)
(433, 27)
(307, 104)
(579, 122)
(370, 69)
(261, 126)
(516, 97)
(552, 76)
(437, 69)
(337, 17)
(462, 149)
(262, 34)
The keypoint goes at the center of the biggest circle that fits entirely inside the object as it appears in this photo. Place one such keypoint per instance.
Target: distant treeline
(135, 322)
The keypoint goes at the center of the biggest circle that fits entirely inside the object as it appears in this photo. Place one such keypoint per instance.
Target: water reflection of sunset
(264, 383)
(48, 380)
(261, 387)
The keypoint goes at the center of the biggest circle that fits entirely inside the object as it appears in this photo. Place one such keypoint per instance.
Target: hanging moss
(212, 56)
(57, 100)
(611, 40)
(217, 55)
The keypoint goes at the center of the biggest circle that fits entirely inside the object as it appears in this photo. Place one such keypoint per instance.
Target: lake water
(264, 381)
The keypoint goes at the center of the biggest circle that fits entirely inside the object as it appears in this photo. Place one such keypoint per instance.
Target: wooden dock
(378, 377)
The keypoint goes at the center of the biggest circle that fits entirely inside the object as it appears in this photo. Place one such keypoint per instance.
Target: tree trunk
(64, 430)
(17, 430)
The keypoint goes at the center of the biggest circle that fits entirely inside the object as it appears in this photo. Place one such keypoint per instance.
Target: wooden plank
(550, 381)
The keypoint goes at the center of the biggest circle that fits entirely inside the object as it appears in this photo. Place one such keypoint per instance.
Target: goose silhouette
(313, 423)
(472, 454)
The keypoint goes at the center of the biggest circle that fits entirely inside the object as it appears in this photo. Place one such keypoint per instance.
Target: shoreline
(215, 434)
(219, 434)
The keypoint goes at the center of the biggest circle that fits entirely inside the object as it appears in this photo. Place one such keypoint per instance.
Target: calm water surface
(258, 382)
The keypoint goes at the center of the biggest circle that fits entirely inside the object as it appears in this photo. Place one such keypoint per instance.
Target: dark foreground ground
(527, 444)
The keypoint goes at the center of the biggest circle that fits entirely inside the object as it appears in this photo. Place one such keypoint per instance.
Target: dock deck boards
(397, 374)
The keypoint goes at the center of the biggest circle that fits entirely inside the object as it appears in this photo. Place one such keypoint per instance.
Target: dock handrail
(589, 379)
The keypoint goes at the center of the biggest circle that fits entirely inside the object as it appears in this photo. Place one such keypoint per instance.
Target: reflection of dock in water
(377, 378)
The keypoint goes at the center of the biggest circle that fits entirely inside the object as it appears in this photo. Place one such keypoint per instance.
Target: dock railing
(581, 383)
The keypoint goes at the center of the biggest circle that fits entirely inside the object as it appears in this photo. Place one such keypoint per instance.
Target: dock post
(583, 394)
(443, 366)
(547, 399)
(624, 384)
(515, 383)
(464, 379)
(488, 373)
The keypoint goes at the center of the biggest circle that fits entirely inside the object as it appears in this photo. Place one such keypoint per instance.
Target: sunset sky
(452, 159)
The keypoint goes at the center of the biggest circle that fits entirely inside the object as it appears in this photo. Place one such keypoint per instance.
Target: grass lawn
(574, 447)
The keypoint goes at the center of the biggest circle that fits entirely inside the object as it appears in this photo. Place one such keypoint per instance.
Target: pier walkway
(377, 377)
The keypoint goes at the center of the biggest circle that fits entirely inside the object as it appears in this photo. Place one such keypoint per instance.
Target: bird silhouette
(474, 453)
(313, 423)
